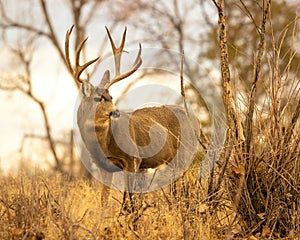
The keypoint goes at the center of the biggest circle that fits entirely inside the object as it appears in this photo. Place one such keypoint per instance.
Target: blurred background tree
(243, 19)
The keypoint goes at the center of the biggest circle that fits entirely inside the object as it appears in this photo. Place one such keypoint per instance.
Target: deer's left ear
(105, 79)
(87, 89)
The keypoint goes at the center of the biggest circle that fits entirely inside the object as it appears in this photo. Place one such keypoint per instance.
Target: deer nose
(115, 113)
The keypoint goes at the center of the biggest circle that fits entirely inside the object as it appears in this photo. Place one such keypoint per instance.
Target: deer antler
(117, 56)
(76, 72)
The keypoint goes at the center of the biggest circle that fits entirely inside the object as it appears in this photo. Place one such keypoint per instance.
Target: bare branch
(256, 77)
(10, 23)
(52, 36)
(248, 13)
(233, 120)
(216, 4)
(26, 88)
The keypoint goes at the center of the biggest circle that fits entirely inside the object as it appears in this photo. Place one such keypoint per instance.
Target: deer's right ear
(86, 89)
(105, 79)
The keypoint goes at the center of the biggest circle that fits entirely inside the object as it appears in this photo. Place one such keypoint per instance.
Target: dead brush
(22, 212)
(258, 172)
(263, 179)
(264, 185)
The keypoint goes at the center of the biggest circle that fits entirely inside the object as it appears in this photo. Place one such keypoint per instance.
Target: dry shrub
(263, 180)
(265, 185)
(258, 171)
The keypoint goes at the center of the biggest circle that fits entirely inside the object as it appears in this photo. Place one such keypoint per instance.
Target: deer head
(100, 93)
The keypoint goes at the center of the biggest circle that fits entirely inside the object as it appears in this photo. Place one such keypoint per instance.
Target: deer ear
(105, 79)
(87, 89)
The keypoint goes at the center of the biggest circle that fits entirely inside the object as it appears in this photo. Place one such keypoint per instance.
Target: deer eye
(97, 99)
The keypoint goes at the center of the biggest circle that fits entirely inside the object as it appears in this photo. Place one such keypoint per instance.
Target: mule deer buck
(147, 138)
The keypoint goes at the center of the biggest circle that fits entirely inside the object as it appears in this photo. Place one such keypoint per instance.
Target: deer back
(151, 137)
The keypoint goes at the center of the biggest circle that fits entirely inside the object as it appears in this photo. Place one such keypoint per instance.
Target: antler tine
(78, 68)
(117, 51)
(137, 63)
(67, 47)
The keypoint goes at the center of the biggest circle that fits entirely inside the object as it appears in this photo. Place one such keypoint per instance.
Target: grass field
(39, 206)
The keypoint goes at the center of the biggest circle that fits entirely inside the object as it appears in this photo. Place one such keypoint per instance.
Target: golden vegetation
(39, 206)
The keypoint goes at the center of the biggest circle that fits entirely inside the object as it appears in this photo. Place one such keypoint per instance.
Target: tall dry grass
(259, 171)
(43, 206)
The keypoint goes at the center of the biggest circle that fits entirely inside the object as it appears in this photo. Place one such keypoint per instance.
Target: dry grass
(39, 206)
(259, 169)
